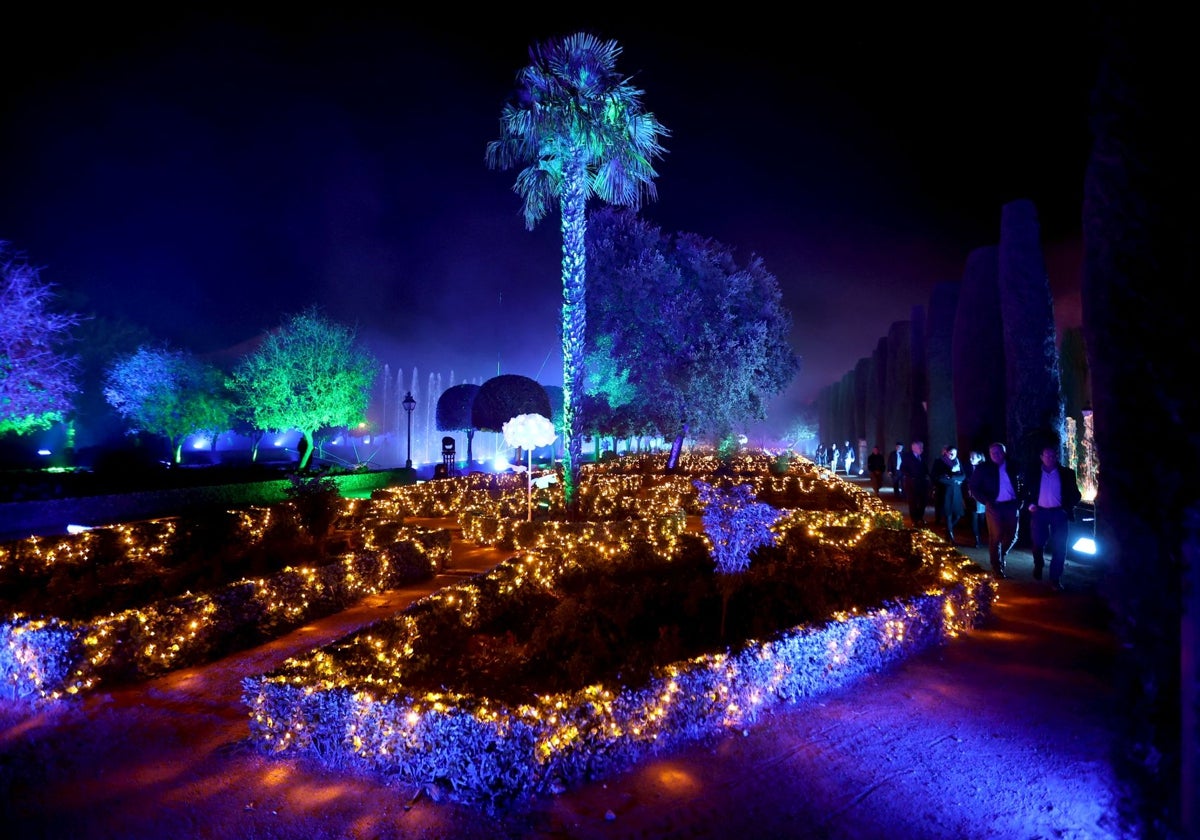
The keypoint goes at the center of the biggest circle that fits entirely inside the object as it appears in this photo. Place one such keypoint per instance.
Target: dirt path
(1002, 733)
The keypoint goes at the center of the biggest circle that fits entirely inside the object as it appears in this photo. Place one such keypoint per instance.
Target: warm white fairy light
(566, 732)
(46, 659)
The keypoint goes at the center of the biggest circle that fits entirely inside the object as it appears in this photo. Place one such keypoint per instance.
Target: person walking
(875, 467)
(895, 461)
(1053, 493)
(939, 489)
(916, 482)
(947, 474)
(999, 488)
(974, 507)
(848, 457)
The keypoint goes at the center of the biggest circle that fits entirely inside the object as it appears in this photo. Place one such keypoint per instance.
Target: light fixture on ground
(409, 405)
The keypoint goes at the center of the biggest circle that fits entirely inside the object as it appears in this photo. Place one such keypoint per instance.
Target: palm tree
(577, 129)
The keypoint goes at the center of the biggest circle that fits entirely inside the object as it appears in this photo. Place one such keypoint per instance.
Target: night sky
(205, 174)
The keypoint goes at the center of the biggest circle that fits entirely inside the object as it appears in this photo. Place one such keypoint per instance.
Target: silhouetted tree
(1033, 383)
(1139, 231)
(101, 340)
(939, 355)
(506, 396)
(453, 412)
(900, 382)
(977, 353)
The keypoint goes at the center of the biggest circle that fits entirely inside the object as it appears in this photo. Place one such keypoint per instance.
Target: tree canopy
(310, 373)
(37, 379)
(168, 392)
(506, 396)
(707, 342)
(453, 412)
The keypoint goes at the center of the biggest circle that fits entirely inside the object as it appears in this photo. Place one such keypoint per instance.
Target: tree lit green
(168, 392)
(309, 374)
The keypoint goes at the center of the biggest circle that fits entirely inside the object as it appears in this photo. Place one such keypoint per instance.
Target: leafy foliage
(506, 396)
(453, 412)
(37, 380)
(309, 374)
(168, 392)
(707, 343)
(736, 525)
(573, 116)
(316, 501)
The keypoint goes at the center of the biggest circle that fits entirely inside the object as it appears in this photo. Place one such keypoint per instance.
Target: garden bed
(561, 667)
(132, 601)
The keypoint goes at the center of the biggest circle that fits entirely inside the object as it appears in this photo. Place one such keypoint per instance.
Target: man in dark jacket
(999, 488)
(875, 465)
(1053, 495)
(915, 478)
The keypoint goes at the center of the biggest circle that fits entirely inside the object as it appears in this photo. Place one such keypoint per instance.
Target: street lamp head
(409, 402)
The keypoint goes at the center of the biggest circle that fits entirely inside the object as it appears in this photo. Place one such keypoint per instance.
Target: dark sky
(205, 174)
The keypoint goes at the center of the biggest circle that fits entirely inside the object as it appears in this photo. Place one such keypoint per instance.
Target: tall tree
(168, 392)
(578, 129)
(977, 354)
(1032, 376)
(939, 364)
(309, 374)
(1140, 249)
(37, 379)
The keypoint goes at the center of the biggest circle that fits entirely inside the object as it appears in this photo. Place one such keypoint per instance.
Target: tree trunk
(573, 201)
(306, 440)
(677, 448)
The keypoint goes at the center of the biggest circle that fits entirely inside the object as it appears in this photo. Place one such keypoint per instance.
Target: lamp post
(409, 405)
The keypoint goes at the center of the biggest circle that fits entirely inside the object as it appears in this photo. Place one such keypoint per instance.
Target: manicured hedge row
(46, 658)
(48, 515)
(477, 750)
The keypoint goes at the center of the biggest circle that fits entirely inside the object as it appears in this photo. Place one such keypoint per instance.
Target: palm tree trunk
(573, 201)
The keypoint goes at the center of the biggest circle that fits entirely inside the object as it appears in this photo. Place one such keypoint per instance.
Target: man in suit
(895, 462)
(916, 482)
(1053, 494)
(999, 488)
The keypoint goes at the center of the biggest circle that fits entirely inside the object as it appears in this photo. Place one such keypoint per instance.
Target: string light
(537, 745)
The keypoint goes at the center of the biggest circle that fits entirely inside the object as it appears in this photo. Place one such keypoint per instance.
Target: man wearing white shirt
(1054, 493)
(994, 484)
(895, 461)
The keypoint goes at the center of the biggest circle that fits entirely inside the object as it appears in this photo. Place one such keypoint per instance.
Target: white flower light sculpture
(529, 431)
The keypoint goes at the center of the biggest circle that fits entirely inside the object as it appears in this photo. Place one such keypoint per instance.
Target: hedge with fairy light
(128, 602)
(571, 662)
